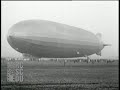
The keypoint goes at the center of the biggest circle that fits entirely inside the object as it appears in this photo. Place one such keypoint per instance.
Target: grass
(51, 75)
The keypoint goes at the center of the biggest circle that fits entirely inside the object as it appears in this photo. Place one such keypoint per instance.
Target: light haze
(95, 16)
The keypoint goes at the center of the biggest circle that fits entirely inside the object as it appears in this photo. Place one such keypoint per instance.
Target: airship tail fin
(99, 53)
(99, 36)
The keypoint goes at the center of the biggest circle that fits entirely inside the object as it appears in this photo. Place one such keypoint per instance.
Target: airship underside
(41, 38)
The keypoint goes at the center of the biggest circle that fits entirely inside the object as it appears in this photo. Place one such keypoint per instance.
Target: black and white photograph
(59, 45)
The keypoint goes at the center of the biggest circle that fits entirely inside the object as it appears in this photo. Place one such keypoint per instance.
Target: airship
(43, 38)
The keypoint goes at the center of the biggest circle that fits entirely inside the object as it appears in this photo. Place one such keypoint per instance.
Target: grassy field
(51, 75)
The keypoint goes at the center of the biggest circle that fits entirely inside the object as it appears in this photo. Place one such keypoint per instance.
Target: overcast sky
(95, 16)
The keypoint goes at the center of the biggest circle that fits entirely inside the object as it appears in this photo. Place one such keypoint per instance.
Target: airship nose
(10, 39)
(17, 39)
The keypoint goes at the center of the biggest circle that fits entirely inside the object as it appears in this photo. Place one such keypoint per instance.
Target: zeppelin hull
(50, 39)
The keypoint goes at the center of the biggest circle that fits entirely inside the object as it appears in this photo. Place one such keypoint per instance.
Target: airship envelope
(42, 38)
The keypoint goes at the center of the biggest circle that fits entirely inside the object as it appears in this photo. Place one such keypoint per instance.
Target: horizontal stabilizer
(106, 44)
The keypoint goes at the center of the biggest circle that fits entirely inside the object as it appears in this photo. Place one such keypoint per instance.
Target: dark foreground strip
(24, 84)
(58, 86)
